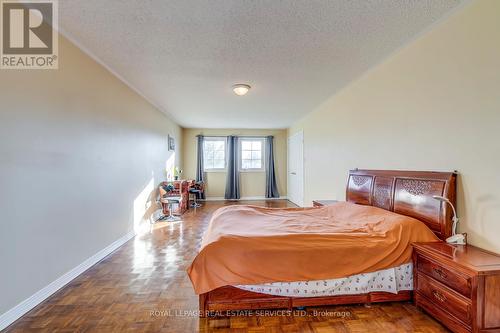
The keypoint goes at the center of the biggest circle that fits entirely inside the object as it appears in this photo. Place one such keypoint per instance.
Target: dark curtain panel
(200, 168)
(233, 175)
(271, 187)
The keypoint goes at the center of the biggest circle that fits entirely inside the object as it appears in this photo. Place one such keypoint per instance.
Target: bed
(408, 194)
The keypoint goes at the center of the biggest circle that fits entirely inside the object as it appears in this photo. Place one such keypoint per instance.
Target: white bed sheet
(390, 280)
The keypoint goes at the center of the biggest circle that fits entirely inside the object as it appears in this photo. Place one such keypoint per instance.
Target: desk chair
(164, 190)
(196, 190)
(170, 201)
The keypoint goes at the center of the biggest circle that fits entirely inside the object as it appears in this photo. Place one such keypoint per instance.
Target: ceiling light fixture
(241, 89)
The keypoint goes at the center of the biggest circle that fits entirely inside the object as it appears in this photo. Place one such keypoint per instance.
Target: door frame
(300, 200)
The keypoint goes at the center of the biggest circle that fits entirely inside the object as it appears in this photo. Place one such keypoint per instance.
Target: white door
(296, 169)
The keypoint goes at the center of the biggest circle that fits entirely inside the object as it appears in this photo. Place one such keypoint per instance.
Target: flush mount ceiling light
(241, 89)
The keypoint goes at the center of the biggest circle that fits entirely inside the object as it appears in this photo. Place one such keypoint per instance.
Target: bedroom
(93, 141)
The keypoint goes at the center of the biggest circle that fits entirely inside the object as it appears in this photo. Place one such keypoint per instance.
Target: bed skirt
(390, 280)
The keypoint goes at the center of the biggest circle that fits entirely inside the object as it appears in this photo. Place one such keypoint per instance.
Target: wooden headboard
(407, 193)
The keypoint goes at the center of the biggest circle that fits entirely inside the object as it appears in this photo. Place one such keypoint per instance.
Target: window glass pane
(256, 145)
(219, 155)
(256, 164)
(219, 145)
(246, 164)
(246, 154)
(256, 155)
(246, 145)
(214, 154)
(209, 153)
(208, 145)
(251, 154)
(219, 164)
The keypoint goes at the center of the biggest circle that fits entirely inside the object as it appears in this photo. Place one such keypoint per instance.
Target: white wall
(435, 105)
(80, 153)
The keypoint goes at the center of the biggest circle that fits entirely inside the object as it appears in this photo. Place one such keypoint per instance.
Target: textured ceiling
(185, 55)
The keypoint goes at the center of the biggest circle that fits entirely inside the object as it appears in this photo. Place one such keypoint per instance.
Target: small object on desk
(169, 188)
(177, 173)
(321, 203)
(459, 285)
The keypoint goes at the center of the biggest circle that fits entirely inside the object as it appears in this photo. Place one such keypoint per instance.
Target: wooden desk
(181, 190)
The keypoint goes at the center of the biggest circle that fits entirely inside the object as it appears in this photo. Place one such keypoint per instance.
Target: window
(252, 154)
(214, 153)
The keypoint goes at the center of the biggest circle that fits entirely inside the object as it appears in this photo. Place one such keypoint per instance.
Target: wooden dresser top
(469, 256)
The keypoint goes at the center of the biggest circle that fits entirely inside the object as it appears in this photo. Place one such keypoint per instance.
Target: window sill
(215, 170)
(252, 170)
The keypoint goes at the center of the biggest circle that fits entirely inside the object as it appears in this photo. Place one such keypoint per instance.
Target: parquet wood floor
(143, 287)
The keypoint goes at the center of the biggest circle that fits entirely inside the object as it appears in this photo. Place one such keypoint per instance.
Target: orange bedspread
(251, 245)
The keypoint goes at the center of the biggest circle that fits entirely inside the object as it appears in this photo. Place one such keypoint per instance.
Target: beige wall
(80, 153)
(435, 105)
(253, 184)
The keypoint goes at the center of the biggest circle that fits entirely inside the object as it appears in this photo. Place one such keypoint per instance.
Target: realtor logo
(29, 38)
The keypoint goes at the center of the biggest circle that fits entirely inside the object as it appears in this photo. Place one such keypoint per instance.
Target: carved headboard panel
(407, 193)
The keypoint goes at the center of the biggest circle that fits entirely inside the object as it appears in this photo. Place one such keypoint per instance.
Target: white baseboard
(19, 310)
(245, 198)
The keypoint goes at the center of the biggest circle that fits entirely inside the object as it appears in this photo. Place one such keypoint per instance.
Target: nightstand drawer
(445, 298)
(460, 283)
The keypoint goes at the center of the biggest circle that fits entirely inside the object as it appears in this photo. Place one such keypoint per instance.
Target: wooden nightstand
(459, 285)
(321, 203)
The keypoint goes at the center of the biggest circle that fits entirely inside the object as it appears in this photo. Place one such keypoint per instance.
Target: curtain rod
(241, 136)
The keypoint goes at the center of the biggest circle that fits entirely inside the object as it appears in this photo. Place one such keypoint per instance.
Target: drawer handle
(439, 272)
(437, 295)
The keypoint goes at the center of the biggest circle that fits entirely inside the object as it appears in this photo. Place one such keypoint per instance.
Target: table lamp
(454, 238)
